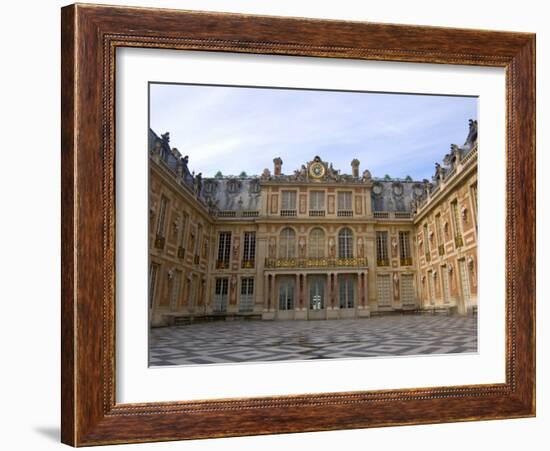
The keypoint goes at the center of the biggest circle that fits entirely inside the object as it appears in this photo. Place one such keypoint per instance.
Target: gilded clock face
(317, 170)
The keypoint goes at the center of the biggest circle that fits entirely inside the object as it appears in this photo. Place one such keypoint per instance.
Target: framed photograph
(278, 225)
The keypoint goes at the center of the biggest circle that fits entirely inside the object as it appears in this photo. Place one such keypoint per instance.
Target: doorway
(317, 297)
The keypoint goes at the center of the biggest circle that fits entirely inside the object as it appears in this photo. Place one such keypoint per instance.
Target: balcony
(304, 263)
(247, 264)
(441, 249)
(402, 215)
(227, 214)
(288, 213)
(222, 264)
(345, 213)
(181, 252)
(316, 213)
(237, 213)
(159, 242)
(392, 215)
(382, 262)
(458, 241)
(406, 261)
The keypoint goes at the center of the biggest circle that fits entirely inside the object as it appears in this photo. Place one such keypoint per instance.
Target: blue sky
(236, 129)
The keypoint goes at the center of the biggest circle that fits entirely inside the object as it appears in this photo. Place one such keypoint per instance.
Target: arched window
(287, 243)
(317, 243)
(345, 243)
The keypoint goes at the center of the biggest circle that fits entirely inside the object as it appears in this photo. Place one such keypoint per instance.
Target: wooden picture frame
(90, 36)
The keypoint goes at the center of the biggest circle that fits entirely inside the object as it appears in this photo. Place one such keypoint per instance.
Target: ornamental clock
(317, 170)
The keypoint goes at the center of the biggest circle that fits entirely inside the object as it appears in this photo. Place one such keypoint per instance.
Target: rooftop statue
(439, 173)
(472, 135)
(367, 175)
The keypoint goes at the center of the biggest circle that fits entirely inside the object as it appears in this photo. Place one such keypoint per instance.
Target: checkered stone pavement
(253, 341)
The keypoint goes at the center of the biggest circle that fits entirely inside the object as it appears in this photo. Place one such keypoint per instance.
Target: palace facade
(314, 243)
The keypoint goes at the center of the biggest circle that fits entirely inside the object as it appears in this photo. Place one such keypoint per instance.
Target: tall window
(198, 240)
(175, 290)
(184, 221)
(407, 289)
(456, 223)
(224, 249)
(445, 281)
(431, 287)
(288, 200)
(162, 216)
(382, 248)
(287, 244)
(426, 239)
(384, 290)
(346, 290)
(286, 293)
(344, 202)
(220, 294)
(439, 234)
(345, 243)
(153, 271)
(249, 249)
(317, 243)
(456, 218)
(438, 229)
(246, 303)
(473, 193)
(405, 248)
(317, 200)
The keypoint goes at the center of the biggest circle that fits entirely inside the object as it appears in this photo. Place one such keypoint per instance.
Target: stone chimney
(355, 167)
(277, 166)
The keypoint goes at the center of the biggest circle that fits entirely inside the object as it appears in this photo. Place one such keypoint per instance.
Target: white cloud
(236, 129)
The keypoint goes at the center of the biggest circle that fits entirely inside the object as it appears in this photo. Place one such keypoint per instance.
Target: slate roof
(243, 193)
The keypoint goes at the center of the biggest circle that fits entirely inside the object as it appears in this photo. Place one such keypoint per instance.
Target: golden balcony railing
(159, 242)
(352, 262)
(222, 264)
(382, 262)
(441, 249)
(458, 241)
(248, 264)
(406, 261)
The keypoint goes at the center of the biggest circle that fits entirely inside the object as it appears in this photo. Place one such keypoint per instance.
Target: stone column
(267, 293)
(370, 253)
(363, 308)
(268, 312)
(336, 303)
(273, 294)
(297, 292)
(261, 278)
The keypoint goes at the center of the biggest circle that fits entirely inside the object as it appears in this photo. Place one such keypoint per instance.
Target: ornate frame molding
(90, 36)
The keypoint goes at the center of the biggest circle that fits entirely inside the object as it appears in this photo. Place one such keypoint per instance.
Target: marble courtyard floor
(261, 341)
